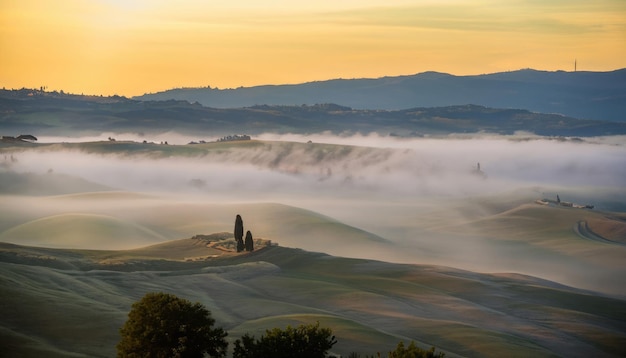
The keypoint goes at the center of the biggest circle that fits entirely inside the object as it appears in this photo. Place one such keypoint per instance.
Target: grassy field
(370, 305)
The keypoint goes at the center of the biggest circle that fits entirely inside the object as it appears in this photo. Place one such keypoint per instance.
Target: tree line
(162, 325)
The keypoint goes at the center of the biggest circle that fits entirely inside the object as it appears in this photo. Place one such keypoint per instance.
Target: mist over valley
(480, 231)
(412, 201)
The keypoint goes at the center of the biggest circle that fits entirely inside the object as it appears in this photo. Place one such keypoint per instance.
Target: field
(380, 244)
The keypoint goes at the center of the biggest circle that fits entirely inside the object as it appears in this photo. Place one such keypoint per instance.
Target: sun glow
(133, 47)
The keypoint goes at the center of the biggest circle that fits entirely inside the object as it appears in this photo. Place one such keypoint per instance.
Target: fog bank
(426, 196)
(365, 165)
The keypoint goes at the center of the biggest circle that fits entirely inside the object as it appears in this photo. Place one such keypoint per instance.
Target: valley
(400, 241)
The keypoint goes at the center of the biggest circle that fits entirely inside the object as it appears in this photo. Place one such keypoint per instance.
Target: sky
(131, 47)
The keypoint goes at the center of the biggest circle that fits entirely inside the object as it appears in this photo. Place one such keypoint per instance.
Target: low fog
(363, 165)
(407, 191)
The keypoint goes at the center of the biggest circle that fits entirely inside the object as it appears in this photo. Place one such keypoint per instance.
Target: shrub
(413, 351)
(162, 325)
(304, 341)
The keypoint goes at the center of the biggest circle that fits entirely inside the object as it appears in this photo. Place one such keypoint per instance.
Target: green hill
(371, 305)
(81, 231)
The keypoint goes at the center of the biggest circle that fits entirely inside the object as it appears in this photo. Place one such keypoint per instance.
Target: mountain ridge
(581, 94)
(50, 113)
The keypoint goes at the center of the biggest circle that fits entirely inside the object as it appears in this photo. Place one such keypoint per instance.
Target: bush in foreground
(162, 325)
(304, 341)
(412, 351)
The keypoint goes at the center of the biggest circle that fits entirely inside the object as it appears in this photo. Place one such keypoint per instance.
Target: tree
(239, 233)
(249, 241)
(304, 341)
(161, 325)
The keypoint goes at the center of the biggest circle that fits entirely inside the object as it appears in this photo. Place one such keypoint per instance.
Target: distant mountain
(45, 113)
(588, 95)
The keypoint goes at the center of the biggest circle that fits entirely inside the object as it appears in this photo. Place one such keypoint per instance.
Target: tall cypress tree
(239, 233)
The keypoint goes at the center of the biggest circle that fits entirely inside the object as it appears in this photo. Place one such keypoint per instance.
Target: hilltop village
(567, 204)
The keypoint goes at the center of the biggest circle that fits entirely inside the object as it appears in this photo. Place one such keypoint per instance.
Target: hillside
(589, 95)
(370, 305)
(52, 114)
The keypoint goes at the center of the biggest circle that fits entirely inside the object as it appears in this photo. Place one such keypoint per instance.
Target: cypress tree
(249, 241)
(239, 233)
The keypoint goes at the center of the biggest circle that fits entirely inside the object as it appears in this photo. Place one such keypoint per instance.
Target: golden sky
(130, 47)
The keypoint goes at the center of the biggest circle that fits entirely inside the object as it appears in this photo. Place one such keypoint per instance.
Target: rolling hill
(381, 244)
(388, 204)
(370, 305)
(80, 231)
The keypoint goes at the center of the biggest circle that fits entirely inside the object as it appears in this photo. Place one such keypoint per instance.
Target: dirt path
(583, 230)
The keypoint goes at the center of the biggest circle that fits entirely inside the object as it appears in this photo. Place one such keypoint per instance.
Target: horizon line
(44, 88)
